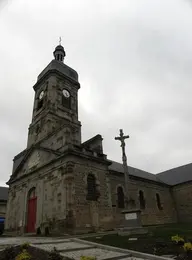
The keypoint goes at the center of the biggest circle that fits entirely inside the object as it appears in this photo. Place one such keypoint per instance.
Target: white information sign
(130, 216)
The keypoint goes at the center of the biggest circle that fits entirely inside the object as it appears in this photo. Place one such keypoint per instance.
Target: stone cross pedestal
(131, 224)
(132, 218)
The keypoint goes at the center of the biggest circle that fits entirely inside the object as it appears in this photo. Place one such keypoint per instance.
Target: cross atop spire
(60, 40)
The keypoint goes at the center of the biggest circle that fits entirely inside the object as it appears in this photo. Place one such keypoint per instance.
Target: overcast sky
(134, 59)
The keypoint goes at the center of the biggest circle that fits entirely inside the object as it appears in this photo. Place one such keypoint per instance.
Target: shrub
(88, 258)
(24, 255)
(187, 247)
(177, 239)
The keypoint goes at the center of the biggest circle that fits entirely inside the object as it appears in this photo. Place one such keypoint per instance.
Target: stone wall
(53, 114)
(92, 214)
(61, 197)
(61, 189)
(183, 199)
(50, 192)
(151, 215)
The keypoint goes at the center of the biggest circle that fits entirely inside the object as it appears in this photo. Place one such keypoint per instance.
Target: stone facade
(68, 185)
(61, 191)
(151, 215)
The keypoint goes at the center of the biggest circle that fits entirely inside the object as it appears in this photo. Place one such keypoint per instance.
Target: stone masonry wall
(151, 214)
(50, 186)
(52, 115)
(61, 189)
(61, 197)
(91, 214)
(183, 199)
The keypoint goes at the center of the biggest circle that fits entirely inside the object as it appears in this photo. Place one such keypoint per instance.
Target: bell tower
(55, 108)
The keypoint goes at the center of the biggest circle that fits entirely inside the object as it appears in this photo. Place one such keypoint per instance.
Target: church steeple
(59, 53)
(56, 100)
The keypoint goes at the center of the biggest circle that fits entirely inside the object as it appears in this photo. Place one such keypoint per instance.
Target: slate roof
(59, 47)
(3, 193)
(62, 68)
(177, 175)
(118, 167)
(18, 159)
(99, 137)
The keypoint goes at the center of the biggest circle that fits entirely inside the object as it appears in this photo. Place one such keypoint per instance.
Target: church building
(60, 184)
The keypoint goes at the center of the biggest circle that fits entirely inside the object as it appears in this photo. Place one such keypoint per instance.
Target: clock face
(66, 93)
(41, 95)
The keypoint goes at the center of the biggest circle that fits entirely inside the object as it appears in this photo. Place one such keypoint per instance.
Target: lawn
(157, 241)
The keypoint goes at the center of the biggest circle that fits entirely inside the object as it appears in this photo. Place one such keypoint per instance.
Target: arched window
(92, 193)
(158, 202)
(120, 198)
(141, 199)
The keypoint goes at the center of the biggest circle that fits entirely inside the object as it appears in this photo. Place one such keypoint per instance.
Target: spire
(59, 52)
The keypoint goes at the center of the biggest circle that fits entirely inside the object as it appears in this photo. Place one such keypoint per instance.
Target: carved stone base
(132, 231)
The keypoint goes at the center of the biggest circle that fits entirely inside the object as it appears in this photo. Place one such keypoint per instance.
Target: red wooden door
(31, 218)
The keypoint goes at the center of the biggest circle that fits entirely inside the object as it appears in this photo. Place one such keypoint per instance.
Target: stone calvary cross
(122, 138)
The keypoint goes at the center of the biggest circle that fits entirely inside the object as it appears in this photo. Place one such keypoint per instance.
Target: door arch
(31, 210)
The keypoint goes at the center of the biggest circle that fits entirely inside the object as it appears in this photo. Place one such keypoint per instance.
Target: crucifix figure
(122, 138)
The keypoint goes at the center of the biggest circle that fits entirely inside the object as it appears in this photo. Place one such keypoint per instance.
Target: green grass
(159, 237)
(166, 231)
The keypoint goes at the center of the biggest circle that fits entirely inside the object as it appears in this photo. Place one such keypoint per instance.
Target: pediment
(34, 159)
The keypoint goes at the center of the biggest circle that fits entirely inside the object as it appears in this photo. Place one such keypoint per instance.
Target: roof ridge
(135, 172)
(133, 167)
(184, 165)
